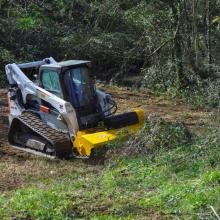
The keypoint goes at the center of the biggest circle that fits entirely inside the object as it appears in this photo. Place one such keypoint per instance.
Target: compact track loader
(55, 109)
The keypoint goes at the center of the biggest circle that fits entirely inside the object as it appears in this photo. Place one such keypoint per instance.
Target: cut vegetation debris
(157, 134)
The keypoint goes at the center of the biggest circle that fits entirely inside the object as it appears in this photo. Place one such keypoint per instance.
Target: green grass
(182, 182)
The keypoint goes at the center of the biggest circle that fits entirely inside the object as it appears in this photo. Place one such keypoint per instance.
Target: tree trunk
(177, 49)
(195, 33)
(208, 34)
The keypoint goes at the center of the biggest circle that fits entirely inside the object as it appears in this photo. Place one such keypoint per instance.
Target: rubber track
(57, 139)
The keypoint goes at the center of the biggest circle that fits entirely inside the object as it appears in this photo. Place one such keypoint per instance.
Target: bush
(159, 77)
(156, 134)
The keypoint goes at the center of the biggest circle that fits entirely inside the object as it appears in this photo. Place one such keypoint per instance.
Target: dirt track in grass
(18, 169)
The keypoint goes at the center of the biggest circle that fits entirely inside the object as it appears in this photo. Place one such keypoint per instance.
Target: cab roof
(73, 62)
(67, 63)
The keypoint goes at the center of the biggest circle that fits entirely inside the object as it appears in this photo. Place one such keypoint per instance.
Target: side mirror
(94, 82)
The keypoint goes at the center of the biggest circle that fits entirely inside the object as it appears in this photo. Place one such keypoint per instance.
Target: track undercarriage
(29, 132)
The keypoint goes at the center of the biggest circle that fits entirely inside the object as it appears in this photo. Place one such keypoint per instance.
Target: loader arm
(27, 88)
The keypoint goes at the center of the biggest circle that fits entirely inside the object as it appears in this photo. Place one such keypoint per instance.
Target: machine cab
(71, 81)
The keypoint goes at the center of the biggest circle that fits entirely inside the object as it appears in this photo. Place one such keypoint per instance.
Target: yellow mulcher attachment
(89, 139)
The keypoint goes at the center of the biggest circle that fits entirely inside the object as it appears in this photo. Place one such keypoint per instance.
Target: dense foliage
(164, 44)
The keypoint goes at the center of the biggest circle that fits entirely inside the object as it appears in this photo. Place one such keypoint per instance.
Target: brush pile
(156, 134)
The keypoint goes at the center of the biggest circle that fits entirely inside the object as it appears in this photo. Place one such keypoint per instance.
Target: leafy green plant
(25, 23)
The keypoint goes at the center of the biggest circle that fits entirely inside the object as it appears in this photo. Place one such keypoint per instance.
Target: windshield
(80, 87)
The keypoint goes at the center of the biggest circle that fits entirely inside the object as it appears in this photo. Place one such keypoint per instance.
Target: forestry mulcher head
(55, 109)
(89, 139)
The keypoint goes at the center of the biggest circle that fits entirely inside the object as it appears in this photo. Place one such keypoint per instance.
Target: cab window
(51, 82)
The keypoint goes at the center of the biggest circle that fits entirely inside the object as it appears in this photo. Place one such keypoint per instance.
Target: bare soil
(161, 106)
(18, 169)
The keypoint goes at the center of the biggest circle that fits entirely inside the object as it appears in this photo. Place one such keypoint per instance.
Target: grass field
(181, 182)
(177, 180)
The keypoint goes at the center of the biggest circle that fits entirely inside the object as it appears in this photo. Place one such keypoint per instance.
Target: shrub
(156, 134)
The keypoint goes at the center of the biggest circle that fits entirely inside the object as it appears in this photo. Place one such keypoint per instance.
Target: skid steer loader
(56, 110)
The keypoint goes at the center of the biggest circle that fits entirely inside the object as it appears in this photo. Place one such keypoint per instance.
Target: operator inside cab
(80, 88)
(70, 80)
